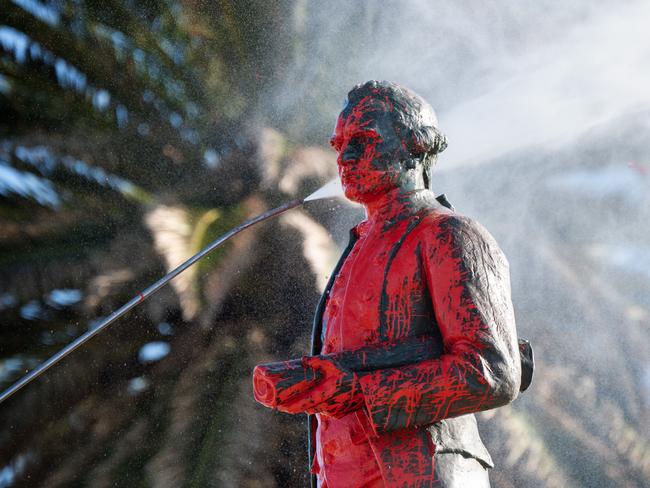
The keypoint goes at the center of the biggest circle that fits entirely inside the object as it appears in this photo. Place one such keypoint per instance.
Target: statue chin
(353, 194)
(363, 194)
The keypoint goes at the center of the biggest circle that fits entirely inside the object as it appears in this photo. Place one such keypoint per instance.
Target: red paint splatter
(642, 170)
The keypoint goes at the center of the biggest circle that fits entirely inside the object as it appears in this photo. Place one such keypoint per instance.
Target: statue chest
(380, 293)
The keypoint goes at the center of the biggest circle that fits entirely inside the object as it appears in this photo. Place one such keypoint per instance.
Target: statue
(415, 331)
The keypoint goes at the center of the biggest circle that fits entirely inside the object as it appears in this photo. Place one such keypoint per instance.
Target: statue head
(386, 137)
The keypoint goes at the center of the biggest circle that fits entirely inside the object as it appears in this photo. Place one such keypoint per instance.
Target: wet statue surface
(415, 331)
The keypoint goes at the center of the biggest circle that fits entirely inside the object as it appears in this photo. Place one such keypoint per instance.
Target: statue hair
(413, 118)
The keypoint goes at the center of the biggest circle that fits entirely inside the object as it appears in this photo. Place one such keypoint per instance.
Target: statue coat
(422, 270)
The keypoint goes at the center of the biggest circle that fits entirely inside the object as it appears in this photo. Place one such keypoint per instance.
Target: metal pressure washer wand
(144, 294)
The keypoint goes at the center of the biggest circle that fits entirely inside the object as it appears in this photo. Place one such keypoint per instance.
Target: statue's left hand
(336, 394)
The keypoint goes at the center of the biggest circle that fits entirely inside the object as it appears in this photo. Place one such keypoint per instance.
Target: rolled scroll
(275, 384)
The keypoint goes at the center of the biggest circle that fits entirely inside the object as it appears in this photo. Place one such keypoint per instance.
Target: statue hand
(336, 393)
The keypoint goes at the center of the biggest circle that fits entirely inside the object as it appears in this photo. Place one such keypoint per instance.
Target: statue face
(369, 150)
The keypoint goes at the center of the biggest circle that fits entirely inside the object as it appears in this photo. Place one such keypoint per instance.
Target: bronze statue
(415, 331)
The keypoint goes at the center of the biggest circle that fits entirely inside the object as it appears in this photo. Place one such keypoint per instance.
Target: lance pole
(141, 297)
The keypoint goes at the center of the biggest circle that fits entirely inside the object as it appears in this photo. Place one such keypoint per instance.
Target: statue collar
(395, 207)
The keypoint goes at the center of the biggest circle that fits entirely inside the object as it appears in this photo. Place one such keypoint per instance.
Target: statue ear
(410, 138)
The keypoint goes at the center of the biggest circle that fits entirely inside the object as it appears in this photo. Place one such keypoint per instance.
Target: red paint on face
(369, 149)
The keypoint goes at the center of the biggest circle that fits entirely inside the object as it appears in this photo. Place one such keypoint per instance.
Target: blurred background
(134, 132)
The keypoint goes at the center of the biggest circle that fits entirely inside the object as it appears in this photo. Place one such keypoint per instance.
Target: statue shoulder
(443, 229)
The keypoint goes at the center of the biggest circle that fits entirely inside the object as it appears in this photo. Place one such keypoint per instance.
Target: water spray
(329, 190)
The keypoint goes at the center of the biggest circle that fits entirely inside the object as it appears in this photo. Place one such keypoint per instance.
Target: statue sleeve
(467, 277)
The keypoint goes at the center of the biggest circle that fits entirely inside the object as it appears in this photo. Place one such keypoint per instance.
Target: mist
(500, 76)
(546, 108)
